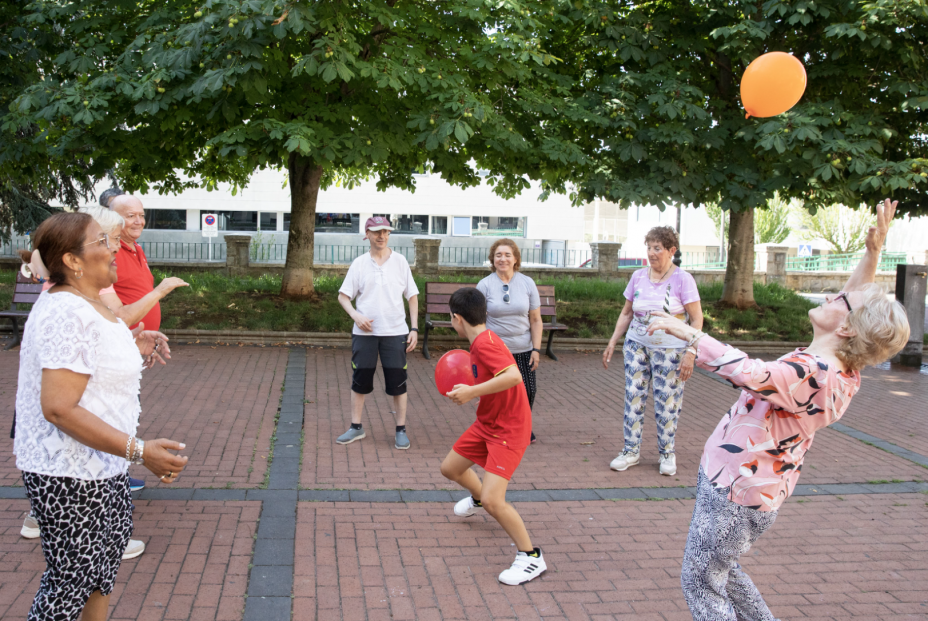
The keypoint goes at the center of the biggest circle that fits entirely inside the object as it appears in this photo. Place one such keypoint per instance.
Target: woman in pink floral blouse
(752, 460)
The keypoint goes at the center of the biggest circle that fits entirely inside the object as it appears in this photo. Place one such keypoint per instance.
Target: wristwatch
(538, 350)
(414, 329)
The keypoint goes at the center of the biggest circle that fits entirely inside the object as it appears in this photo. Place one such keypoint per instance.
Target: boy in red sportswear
(499, 437)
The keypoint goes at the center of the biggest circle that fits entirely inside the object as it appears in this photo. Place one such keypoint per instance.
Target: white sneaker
(30, 528)
(523, 569)
(135, 548)
(668, 464)
(624, 461)
(466, 507)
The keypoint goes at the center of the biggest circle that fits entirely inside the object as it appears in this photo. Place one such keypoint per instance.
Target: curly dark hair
(106, 196)
(665, 235)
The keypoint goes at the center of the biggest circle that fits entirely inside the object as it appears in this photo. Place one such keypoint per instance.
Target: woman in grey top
(514, 310)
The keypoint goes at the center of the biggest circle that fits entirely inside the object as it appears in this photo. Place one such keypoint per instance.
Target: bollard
(910, 291)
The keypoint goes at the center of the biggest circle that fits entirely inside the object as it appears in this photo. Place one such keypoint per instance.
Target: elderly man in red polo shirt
(135, 280)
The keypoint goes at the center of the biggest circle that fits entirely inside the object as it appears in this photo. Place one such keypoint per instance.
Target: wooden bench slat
(547, 311)
(14, 313)
(545, 290)
(441, 309)
(434, 298)
(32, 287)
(446, 287)
(25, 298)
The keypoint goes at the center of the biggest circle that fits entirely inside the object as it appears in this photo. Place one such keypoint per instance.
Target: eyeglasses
(506, 297)
(105, 240)
(843, 297)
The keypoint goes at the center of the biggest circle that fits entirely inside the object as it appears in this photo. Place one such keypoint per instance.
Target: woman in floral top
(752, 460)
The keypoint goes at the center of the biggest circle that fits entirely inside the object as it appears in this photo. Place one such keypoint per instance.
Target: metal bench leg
(550, 352)
(16, 340)
(425, 343)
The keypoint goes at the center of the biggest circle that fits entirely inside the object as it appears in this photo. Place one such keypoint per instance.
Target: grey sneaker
(133, 549)
(30, 528)
(402, 440)
(350, 436)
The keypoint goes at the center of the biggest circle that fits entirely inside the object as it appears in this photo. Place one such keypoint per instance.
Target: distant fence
(184, 251)
(842, 262)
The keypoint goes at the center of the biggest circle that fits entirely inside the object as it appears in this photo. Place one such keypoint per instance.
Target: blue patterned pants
(715, 586)
(644, 367)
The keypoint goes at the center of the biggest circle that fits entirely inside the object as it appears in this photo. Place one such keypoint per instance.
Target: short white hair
(880, 327)
(110, 221)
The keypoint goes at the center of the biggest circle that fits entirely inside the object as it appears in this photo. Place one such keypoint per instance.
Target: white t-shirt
(64, 331)
(379, 290)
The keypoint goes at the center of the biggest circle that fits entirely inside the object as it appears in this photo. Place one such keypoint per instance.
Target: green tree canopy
(842, 228)
(29, 178)
(180, 93)
(661, 83)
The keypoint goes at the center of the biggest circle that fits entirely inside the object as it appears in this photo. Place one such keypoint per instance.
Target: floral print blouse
(757, 450)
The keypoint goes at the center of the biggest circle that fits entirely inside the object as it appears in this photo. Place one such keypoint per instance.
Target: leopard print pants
(714, 584)
(85, 527)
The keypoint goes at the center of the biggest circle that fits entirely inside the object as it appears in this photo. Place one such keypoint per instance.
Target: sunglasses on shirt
(506, 297)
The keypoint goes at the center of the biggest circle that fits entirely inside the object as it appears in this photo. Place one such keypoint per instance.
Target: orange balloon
(772, 84)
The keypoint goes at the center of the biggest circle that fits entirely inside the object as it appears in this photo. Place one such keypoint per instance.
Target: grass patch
(587, 306)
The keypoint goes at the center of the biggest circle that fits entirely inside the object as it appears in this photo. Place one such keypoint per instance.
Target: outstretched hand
(884, 217)
(671, 325)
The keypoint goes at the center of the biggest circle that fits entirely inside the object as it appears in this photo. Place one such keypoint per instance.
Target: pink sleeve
(689, 293)
(110, 289)
(778, 382)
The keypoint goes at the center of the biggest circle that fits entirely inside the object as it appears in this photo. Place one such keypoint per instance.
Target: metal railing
(463, 256)
(8, 249)
(710, 261)
(184, 251)
(842, 262)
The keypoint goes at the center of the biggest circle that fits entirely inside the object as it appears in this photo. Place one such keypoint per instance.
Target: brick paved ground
(862, 557)
(195, 565)
(578, 401)
(891, 406)
(221, 402)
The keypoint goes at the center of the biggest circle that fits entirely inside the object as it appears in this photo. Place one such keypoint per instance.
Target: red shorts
(496, 458)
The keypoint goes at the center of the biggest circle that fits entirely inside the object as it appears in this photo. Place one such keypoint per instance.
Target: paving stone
(276, 527)
(375, 496)
(273, 552)
(270, 581)
(324, 495)
(268, 609)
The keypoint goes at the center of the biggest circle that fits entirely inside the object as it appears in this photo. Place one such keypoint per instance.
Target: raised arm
(779, 382)
(131, 314)
(866, 270)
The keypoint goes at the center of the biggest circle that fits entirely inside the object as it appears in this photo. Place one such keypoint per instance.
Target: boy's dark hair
(470, 305)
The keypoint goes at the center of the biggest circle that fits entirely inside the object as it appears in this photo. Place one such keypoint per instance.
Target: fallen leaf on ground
(587, 443)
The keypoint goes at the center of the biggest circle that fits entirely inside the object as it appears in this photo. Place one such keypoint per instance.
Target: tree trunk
(305, 177)
(739, 274)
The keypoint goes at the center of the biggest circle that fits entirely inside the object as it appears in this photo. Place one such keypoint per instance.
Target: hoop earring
(79, 275)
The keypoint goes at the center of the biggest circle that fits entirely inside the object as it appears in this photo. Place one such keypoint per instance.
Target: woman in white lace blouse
(77, 412)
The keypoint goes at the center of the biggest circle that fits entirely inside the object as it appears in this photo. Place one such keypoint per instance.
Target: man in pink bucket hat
(378, 281)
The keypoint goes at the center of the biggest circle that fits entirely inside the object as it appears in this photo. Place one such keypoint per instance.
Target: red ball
(452, 369)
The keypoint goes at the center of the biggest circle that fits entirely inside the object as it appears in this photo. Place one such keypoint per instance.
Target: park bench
(25, 292)
(437, 295)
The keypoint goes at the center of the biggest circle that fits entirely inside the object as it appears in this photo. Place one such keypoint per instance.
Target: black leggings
(524, 362)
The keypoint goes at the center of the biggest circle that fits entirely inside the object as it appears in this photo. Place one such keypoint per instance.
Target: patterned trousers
(524, 362)
(715, 586)
(644, 367)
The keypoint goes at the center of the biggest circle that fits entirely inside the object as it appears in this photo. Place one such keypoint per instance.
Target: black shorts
(392, 352)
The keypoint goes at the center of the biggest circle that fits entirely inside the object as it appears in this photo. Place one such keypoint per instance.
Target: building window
(332, 222)
(268, 220)
(414, 225)
(497, 226)
(166, 219)
(439, 225)
(461, 226)
(235, 220)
